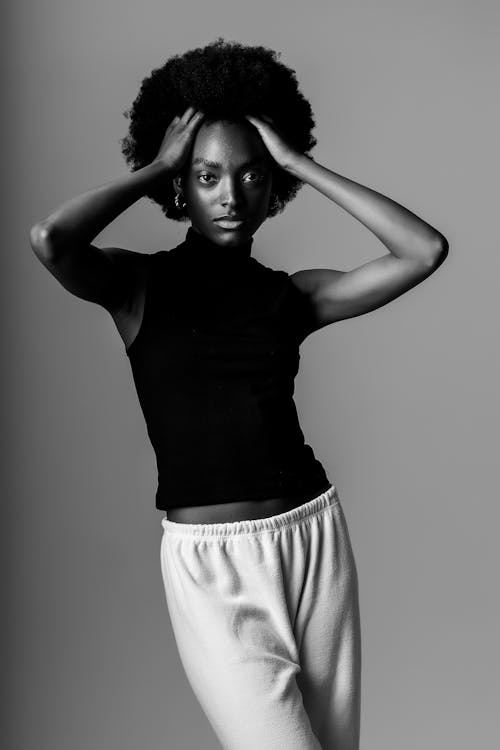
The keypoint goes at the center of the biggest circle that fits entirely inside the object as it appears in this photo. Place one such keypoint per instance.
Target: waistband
(327, 499)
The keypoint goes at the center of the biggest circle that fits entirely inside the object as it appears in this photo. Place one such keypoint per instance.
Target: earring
(177, 202)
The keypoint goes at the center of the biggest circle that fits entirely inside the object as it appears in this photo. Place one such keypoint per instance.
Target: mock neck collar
(200, 249)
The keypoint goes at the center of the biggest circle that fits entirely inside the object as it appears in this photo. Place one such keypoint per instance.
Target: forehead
(228, 143)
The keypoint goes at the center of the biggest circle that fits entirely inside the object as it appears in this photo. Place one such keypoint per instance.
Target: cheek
(197, 196)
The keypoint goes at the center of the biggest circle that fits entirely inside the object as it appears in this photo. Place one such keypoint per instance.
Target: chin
(228, 237)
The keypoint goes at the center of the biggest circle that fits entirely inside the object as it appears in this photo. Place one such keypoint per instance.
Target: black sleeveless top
(214, 364)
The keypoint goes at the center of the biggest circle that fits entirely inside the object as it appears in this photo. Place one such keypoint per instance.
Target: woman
(259, 573)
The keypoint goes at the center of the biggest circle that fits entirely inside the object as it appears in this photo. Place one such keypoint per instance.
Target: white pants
(265, 614)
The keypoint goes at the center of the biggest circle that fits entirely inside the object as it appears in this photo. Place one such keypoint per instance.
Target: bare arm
(62, 241)
(416, 249)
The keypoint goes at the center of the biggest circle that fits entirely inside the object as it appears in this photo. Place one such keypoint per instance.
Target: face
(228, 173)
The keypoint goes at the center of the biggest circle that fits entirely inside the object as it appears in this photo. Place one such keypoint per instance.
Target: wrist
(154, 174)
(296, 163)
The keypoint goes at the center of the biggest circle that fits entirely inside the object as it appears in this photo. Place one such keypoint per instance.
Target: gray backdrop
(401, 404)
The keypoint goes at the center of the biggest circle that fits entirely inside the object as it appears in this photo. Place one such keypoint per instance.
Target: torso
(239, 511)
(128, 323)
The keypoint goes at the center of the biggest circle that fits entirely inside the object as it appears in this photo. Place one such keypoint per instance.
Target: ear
(177, 183)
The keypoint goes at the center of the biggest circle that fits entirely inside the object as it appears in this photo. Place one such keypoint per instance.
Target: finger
(198, 115)
(188, 114)
(195, 120)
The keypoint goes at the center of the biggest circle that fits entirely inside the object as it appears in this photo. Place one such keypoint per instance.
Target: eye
(256, 176)
(205, 174)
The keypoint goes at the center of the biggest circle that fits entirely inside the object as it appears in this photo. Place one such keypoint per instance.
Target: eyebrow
(218, 165)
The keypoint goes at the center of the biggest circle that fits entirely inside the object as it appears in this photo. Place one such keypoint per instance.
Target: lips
(229, 222)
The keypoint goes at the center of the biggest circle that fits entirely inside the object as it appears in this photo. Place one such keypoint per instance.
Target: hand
(281, 151)
(178, 140)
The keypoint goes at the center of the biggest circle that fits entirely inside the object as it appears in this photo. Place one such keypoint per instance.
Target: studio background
(401, 405)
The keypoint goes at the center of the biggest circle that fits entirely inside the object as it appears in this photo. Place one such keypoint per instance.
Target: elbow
(439, 252)
(40, 239)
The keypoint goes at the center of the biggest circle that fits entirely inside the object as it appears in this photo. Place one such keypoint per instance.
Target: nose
(230, 194)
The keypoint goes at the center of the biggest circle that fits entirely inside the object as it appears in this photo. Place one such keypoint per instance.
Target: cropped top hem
(208, 497)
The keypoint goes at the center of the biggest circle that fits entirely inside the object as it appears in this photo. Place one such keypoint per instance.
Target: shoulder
(281, 281)
(136, 270)
(299, 293)
(307, 280)
(266, 272)
(293, 300)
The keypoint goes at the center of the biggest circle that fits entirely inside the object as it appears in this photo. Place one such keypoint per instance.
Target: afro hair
(225, 80)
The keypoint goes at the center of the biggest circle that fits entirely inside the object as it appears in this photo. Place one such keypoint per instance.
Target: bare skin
(236, 180)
